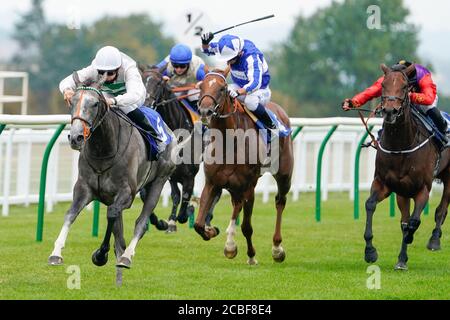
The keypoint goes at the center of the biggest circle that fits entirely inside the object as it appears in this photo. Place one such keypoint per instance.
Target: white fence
(22, 99)
(22, 149)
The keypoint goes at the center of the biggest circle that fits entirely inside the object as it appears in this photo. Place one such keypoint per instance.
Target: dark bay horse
(161, 98)
(220, 113)
(113, 167)
(406, 163)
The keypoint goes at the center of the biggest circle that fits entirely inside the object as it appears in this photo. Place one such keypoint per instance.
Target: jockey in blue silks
(182, 68)
(249, 72)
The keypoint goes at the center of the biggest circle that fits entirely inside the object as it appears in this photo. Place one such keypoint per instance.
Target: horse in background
(406, 163)
(113, 167)
(161, 98)
(221, 113)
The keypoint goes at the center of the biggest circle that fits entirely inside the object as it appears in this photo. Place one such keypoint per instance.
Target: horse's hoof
(171, 227)
(278, 254)
(230, 253)
(183, 217)
(55, 261)
(212, 231)
(124, 262)
(252, 261)
(401, 266)
(434, 244)
(98, 259)
(162, 225)
(371, 255)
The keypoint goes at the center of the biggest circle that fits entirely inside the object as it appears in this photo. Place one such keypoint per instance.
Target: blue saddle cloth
(430, 126)
(157, 122)
(283, 131)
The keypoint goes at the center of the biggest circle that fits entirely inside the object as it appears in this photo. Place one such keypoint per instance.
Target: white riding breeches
(251, 100)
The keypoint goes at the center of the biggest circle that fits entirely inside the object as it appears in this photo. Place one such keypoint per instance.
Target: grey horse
(113, 167)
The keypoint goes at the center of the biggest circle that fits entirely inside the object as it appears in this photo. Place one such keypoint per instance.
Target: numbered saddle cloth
(160, 127)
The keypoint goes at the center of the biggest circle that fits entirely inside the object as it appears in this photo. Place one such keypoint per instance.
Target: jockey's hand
(111, 101)
(198, 84)
(347, 104)
(242, 91)
(233, 93)
(68, 94)
(206, 38)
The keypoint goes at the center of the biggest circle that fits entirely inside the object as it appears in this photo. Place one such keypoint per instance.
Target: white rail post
(7, 171)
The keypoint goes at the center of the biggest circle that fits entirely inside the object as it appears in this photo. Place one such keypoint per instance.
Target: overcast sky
(431, 16)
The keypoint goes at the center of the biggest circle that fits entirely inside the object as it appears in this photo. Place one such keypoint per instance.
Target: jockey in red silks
(423, 94)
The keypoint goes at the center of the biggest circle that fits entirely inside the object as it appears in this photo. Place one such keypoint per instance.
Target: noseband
(87, 132)
(215, 110)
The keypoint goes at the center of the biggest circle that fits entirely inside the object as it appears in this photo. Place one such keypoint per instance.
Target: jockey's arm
(135, 95)
(83, 74)
(374, 91)
(254, 74)
(427, 94)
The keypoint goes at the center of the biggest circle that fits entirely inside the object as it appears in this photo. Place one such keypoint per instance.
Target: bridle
(215, 111)
(156, 96)
(88, 127)
(404, 100)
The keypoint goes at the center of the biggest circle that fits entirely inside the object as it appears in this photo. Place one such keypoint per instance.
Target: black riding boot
(138, 117)
(439, 122)
(264, 117)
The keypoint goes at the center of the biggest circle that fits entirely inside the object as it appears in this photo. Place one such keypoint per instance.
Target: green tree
(50, 52)
(333, 53)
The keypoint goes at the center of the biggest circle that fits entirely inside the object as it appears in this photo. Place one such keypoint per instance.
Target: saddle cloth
(157, 122)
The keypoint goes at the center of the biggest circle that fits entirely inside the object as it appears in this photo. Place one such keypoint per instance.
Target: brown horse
(220, 112)
(406, 163)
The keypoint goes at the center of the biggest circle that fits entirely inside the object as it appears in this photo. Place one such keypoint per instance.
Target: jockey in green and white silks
(183, 68)
(123, 82)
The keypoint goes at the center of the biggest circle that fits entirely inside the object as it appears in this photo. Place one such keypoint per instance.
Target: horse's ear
(410, 69)
(141, 67)
(163, 68)
(385, 68)
(76, 79)
(102, 80)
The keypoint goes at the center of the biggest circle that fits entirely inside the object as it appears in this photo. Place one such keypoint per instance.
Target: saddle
(429, 125)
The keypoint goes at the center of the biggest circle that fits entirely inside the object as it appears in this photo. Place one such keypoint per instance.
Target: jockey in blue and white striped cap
(249, 72)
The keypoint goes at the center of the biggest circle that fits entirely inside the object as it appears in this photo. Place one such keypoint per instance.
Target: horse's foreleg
(420, 200)
(210, 214)
(81, 197)
(284, 184)
(378, 192)
(404, 206)
(247, 229)
(188, 188)
(207, 198)
(439, 216)
(123, 200)
(175, 195)
(154, 192)
(230, 250)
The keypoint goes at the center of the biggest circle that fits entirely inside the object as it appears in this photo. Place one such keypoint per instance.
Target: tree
(50, 52)
(336, 52)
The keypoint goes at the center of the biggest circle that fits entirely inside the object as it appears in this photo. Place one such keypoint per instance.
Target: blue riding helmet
(180, 54)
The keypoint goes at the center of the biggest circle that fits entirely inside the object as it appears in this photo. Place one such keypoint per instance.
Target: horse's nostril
(68, 137)
(79, 138)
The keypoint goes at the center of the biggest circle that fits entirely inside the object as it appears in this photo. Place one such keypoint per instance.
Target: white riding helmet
(229, 47)
(107, 58)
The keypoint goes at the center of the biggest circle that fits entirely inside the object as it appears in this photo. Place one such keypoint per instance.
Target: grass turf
(324, 260)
